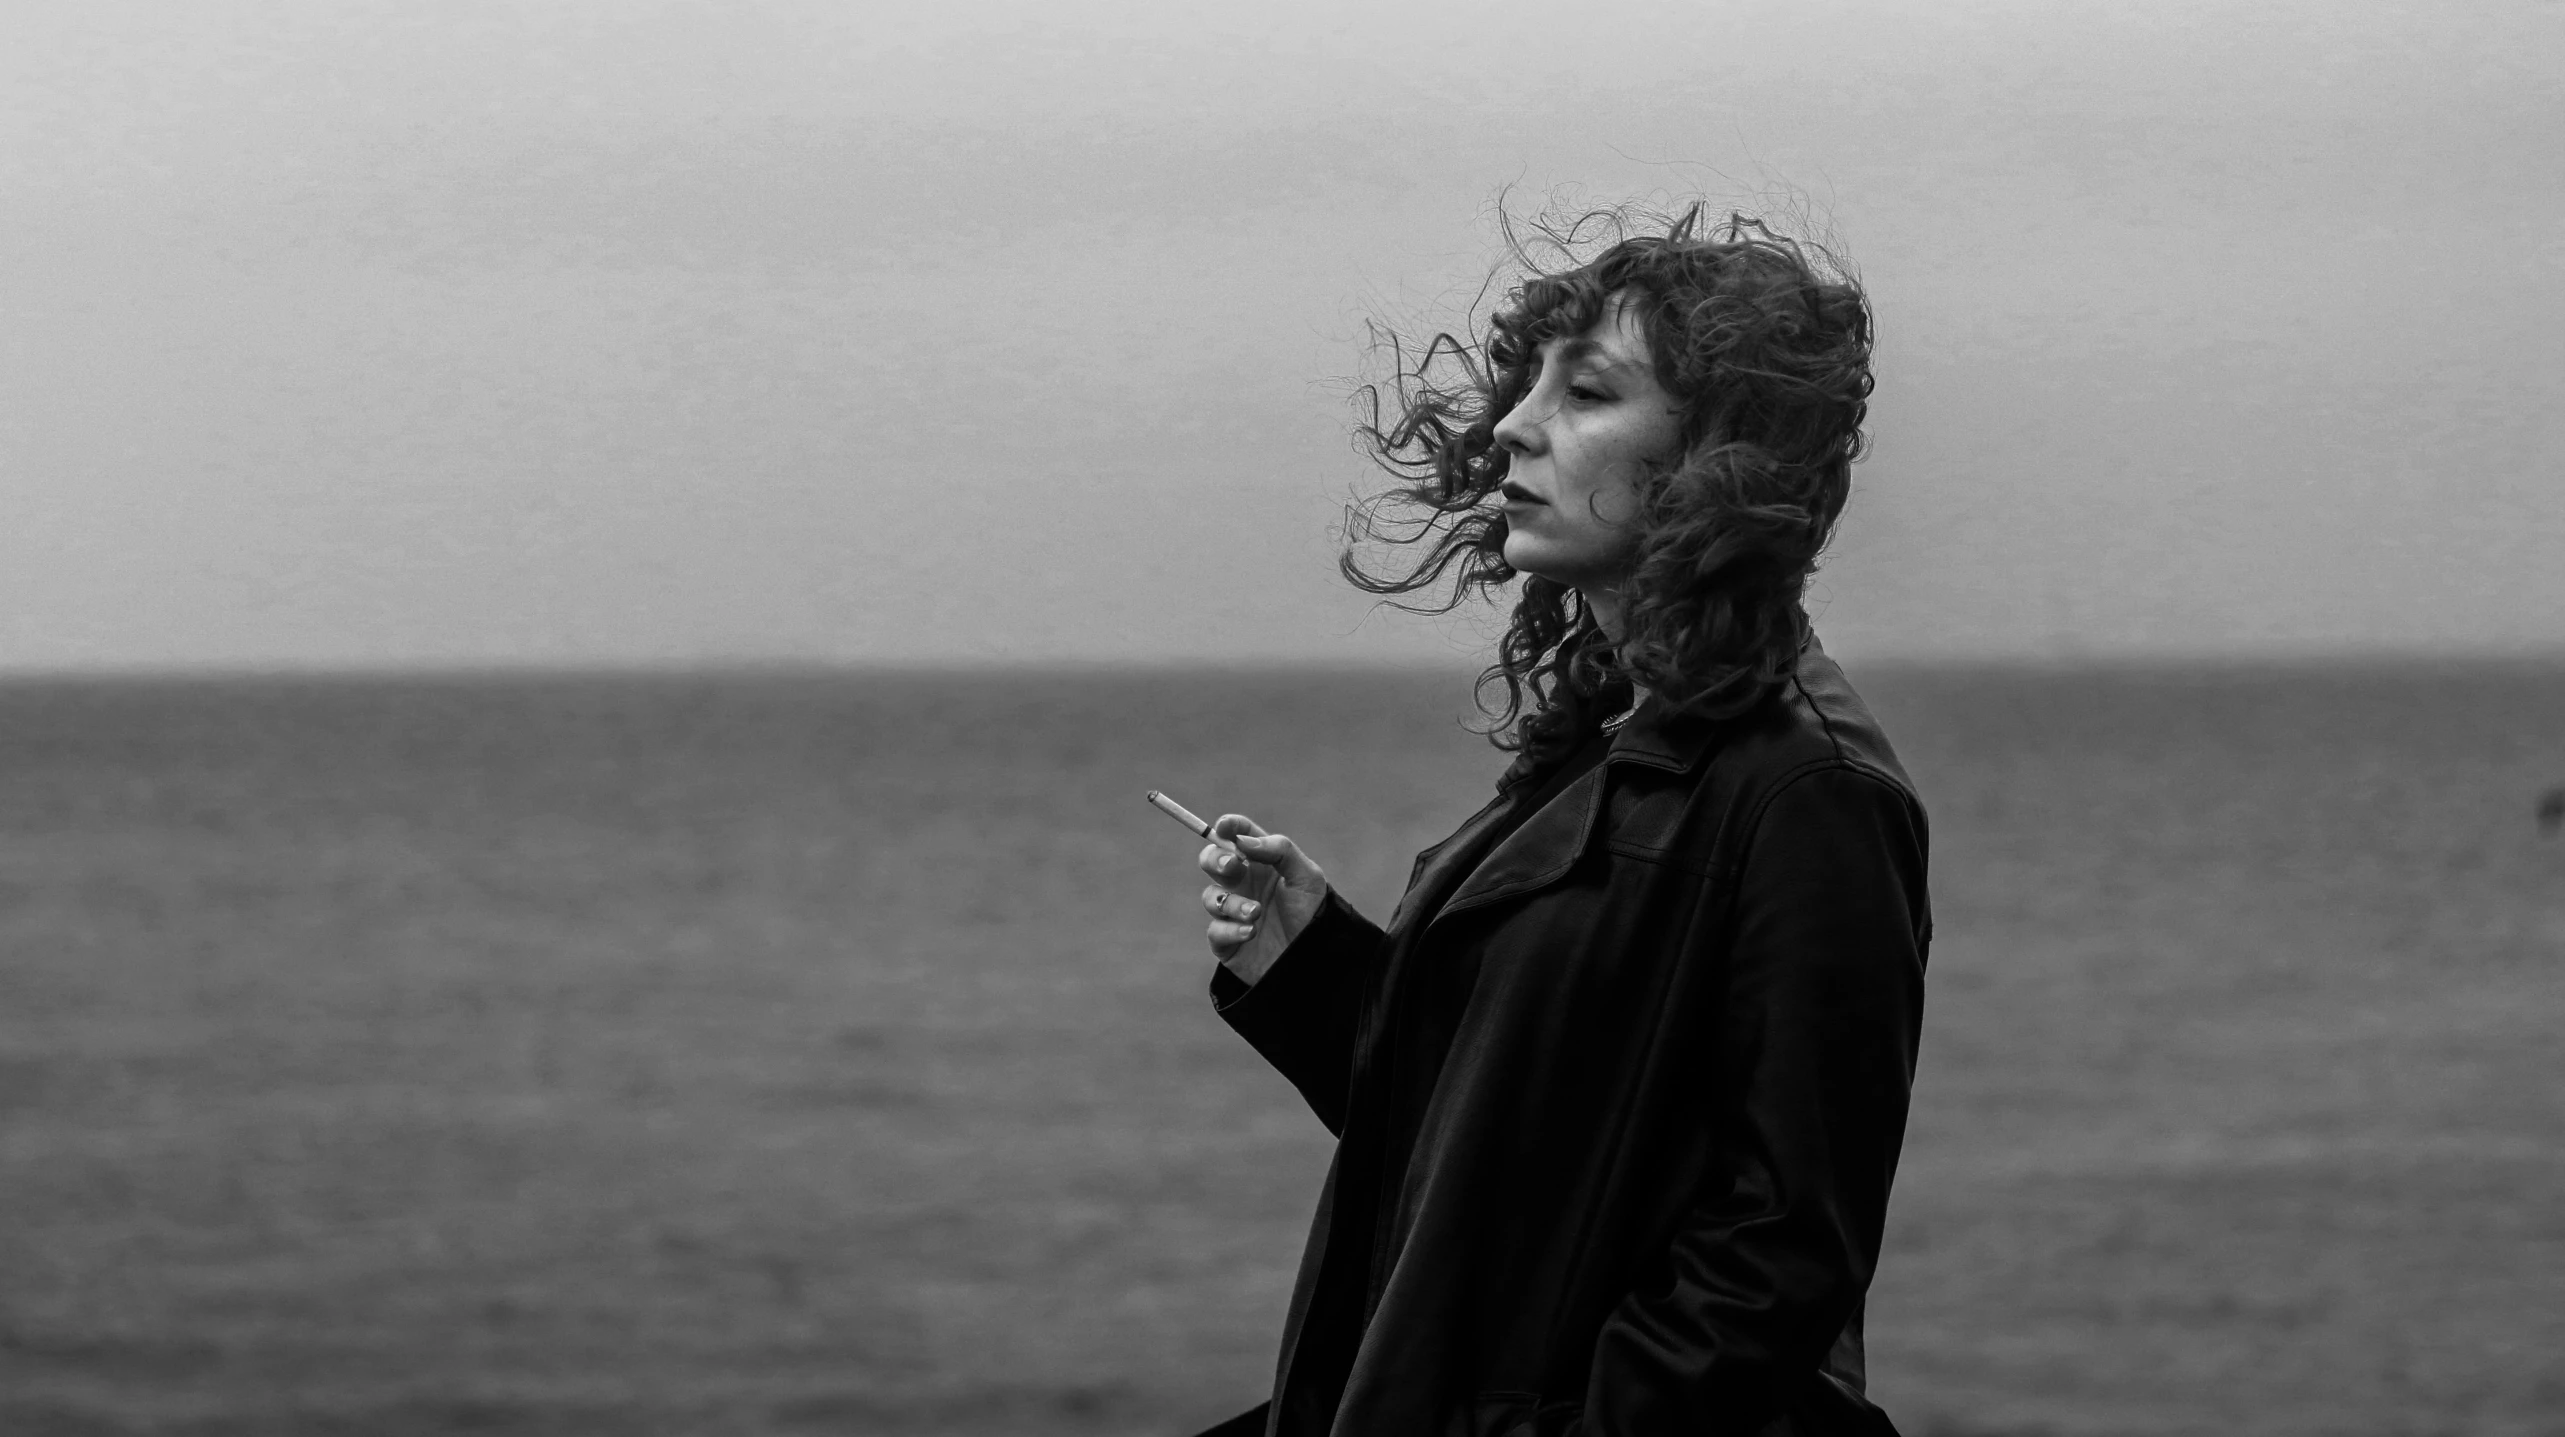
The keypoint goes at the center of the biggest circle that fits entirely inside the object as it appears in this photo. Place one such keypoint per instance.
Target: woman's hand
(1260, 897)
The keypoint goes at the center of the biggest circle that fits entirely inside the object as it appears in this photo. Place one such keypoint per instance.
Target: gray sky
(609, 331)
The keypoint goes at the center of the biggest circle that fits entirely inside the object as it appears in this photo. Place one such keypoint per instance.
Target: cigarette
(1184, 815)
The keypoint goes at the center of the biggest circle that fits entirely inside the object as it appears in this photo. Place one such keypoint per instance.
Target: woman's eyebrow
(1590, 352)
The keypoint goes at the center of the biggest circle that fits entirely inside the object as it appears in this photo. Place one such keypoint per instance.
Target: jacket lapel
(1441, 866)
(1538, 853)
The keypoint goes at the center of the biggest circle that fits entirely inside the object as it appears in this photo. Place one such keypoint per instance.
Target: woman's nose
(1519, 432)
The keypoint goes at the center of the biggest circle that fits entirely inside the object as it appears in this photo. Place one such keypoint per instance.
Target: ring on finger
(1220, 906)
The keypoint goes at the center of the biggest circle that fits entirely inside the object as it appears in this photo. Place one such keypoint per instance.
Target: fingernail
(1249, 911)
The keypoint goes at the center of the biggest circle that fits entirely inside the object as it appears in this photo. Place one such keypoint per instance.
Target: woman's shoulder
(1814, 722)
(1829, 720)
(1693, 791)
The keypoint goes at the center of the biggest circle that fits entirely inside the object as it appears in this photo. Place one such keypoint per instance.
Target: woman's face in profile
(1579, 444)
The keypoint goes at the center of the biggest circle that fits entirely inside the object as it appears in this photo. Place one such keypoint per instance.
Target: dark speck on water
(767, 1055)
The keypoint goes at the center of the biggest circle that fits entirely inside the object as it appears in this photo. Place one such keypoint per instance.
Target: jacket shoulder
(1700, 815)
(1815, 720)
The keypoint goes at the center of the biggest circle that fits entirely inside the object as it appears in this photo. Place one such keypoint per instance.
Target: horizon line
(501, 671)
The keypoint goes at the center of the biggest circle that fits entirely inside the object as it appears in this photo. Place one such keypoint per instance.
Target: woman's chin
(1532, 561)
(1527, 558)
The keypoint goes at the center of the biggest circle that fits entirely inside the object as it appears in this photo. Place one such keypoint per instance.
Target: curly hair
(1764, 342)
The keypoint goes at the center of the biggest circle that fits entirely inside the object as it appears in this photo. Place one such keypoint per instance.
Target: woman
(1618, 1091)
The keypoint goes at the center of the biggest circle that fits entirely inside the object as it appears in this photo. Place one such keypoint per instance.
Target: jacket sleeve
(1814, 1061)
(1303, 1012)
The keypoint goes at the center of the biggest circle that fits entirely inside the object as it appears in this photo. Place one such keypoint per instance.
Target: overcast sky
(614, 331)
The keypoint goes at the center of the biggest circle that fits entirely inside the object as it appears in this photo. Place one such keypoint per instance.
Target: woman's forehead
(1617, 339)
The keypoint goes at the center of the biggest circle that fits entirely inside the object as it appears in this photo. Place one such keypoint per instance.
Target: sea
(794, 1053)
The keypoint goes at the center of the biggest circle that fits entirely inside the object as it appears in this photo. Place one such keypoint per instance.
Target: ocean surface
(829, 1054)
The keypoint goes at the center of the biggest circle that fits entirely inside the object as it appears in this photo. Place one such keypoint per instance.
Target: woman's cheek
(1617, 500)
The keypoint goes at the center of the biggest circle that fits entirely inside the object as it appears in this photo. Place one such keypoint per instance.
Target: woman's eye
(1586, 393)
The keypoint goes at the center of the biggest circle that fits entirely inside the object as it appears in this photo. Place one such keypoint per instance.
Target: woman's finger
(1233, 826)
(1222, 863)
(1221, 902)
(1274, 850)
(1227, 937)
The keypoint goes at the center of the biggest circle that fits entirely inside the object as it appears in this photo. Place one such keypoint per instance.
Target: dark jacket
(1645, 1187)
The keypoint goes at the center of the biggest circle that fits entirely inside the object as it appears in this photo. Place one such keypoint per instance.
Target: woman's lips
(1515, 494)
